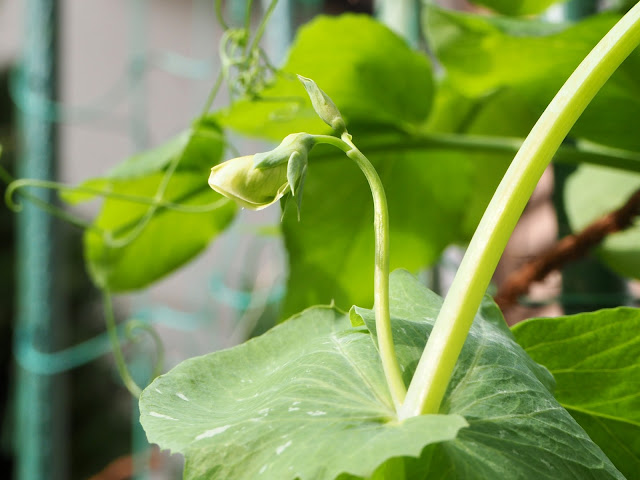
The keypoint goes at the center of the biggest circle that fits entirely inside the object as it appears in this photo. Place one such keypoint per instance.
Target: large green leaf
(155, 248)
(308, 400)
(595, 359)
(448, 187)
(481, 54)
(332, 247)
(516, 428)
(502, 113)
(133, 244)
(517, 7)
(592, 192)
(370, 73)
(380, 86)
(425, 186)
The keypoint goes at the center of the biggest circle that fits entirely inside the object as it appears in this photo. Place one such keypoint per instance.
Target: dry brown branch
(567, 249)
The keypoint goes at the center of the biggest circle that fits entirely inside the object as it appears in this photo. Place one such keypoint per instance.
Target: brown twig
(567, 249)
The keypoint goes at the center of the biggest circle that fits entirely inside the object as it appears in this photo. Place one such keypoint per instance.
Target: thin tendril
(109, 237)
(132, 326)
(219, 16)
(45, 206)
(15, 185)
(267, 63)
(237, 49)
(263, 23)
(247, 20)
(146, 218)
(213, 93)
(121, 365)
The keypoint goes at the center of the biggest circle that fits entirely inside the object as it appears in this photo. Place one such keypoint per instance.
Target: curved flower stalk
(257, 181)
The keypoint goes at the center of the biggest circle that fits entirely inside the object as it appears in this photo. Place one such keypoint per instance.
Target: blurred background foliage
(256, 272)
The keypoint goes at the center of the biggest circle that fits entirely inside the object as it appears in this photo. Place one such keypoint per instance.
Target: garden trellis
(40, 444)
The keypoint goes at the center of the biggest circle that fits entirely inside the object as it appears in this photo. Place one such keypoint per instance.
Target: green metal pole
(576, 9)
(40, 429)
(237, 12)
(278, 34)
(401, 16)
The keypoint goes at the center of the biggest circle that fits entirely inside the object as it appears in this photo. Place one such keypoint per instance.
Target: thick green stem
(388, 356)
(438, 360)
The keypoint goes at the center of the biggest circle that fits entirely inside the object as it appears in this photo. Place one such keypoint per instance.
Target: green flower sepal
(257, 181)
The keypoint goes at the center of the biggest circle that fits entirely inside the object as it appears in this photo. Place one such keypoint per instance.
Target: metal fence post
(40, 424)
(401, 16)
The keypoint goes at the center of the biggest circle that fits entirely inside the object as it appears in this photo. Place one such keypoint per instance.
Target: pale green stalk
(438, 360)
(15, 185)
(388, 356)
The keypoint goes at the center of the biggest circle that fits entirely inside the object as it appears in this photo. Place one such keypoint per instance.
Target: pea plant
(416, 386)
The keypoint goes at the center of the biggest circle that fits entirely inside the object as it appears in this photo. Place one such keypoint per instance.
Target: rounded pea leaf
(481, 54)
(517, 429)
(331, 248)
(595, 359)
(306, 400)
(128, 248)
(134, 243)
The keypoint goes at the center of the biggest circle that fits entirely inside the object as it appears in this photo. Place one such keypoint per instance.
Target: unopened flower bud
(324, 106)
(250, 187)
(259, 180)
